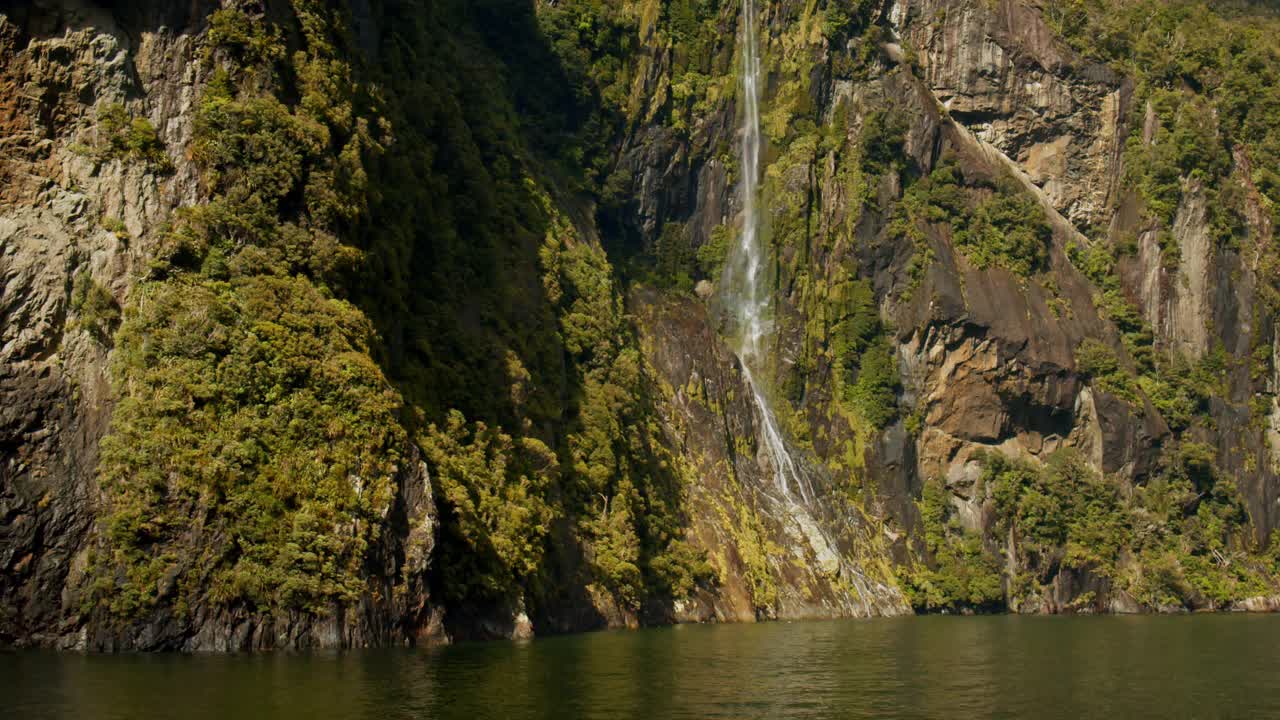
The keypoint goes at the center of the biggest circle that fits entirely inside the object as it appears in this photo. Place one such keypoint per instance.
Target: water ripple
(996, 667)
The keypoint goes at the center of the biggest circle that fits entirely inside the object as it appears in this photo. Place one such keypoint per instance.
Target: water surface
(932, 667)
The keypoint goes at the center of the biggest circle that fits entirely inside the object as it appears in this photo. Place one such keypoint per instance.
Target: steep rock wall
(60, 64)
(988, 357)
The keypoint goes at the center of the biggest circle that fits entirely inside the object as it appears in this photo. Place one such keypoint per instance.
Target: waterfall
(746, 286)
(746, 296)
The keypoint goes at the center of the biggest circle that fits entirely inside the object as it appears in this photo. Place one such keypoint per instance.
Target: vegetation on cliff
(1180, 541)
(397, 256)
(962, 574)
(1205, 112)
(122, 137)
(333, 303)
(993, 223)
(248, 399)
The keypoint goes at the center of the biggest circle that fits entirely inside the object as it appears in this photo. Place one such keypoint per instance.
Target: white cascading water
(747, 296)
(746, 285)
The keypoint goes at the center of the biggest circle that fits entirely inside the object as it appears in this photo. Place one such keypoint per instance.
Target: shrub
(864, 361)
(1064, 508)
(1184, 534)
(253, 446)
(712, 254)
(96, 309)
(249, 41)
(996, 225)
(963, 574)
(874, 395)
(883, 135)
(1099, 363)
(123, 137)
(494, 489)
(675, 258)
(1006, 230)
(254, 408)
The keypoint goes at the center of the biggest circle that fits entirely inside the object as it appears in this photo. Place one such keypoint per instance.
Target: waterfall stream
(747, 297)
(745, 276)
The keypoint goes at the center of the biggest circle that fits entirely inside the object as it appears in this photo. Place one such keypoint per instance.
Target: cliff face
(60, 63)
(1019, 376)
(1119, 347)
(1062, 123)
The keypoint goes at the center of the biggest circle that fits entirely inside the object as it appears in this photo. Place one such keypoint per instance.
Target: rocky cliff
(60, 64)
(383, 322)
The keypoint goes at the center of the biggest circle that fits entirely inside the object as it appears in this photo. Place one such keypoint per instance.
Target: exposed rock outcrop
(68, 216)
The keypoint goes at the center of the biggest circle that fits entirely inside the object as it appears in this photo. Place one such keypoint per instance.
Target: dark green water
(995, 667)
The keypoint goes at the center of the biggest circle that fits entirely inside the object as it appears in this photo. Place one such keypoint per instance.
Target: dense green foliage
(626, 491)
(95, 309)
(521, 326)
(712, 254)
(1182, 539)
(963, 575)
(1099, 363)
(120, 136)
(675, 258)
(874, 394)
(866, 367)
(253, 430)
(248, 399)
(498, 494)
(881, 142)
(332, 304)
(993, 223)
(1064, 512)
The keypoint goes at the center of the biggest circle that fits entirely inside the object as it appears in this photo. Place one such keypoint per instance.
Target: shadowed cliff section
(335, 209)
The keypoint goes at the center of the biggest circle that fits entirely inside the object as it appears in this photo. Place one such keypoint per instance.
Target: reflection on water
(1184, 667)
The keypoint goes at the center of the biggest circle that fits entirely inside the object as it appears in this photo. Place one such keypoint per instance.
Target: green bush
(252, 43)
(95, 308)
(252, 148)
(1099, 363)
(712, 253)
(495, 491)
(864, 361)
(1006, 230)
(835, 22)
(994, 225)
(623, 488)
(1063, 511)
(1182, 538)
(884, 134)
(123, 137)
(963, 576)
(252, 407)
(874, 395)
(675, 258)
